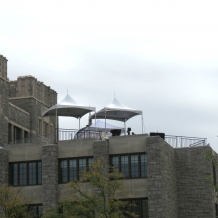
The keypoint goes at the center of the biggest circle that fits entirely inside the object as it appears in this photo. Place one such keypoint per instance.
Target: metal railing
(73, 134)
(66, 134)
(184, 141)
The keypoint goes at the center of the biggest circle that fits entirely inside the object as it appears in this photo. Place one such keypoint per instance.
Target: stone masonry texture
(4, 166)
(196, 198)
(162, 191)
(49, 176)
(101, 150)
(4, 86)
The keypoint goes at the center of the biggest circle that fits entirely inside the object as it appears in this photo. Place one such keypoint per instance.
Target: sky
(157, 56)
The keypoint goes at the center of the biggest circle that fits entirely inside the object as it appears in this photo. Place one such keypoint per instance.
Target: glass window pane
(115, 162)
(136, 207)
(125, 166)
(23, 174)
(39, 211)
(144, 208)
(73, 170)
(40, 173)
(63, 169)
(90, 161)
(33, 210)
(82, 165)
(14, 174)
(143, 163)
(32, 173)
(134, 166)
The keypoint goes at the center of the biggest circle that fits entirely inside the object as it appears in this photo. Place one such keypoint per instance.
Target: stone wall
(101, 150)
(3, 67)
(4, 87)
(35, 109)
(4, 166)
(26, 86)
(195, 194)
(162, 192)
(49, 176)
(19, 116)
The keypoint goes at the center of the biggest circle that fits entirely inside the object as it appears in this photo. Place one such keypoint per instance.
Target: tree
(210, 157)
(96, 194)
(12, 204)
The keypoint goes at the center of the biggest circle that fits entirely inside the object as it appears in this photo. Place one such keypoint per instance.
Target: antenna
(114, 95)
(67, 91)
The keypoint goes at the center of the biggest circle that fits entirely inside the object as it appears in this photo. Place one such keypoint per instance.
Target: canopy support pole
(142, 122)
(125, 127)
(95, 123)
(79, 123)
(56, 120)
(105, 121)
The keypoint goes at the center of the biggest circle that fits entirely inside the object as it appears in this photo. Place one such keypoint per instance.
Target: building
(163, 181)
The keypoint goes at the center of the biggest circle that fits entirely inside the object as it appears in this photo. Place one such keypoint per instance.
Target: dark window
(25, 173)
(35, 210)
(39, 172)
(64, 171)
(139, 206)
(143, 165)
(134, 165)
(71, 169)
(82, 166)
(131, 165)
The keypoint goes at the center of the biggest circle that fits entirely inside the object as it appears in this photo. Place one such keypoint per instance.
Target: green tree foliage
(96, 194)
(210, 157)
(12, 204)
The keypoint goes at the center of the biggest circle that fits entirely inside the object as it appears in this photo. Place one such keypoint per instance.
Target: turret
(3, 67)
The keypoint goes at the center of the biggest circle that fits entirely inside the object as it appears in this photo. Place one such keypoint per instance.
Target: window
(131, 165)
(35, 210)
(25, 173)
(71, 169)
(139, 206)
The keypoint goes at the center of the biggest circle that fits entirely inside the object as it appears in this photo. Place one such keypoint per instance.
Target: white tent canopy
(68, 107)
(117, 111)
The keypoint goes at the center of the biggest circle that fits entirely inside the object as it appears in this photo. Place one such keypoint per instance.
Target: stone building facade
(21, 105)
(162, 181)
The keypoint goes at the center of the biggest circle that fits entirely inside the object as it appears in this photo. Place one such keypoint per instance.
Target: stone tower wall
(26, 86)
(196, 197)
(162, 192)
(4, 88)
(49, 176)
(3, 67)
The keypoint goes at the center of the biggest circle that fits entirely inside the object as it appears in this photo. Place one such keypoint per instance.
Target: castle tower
(3, 67)
(4, 91)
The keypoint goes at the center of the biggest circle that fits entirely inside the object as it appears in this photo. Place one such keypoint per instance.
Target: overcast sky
(159, 56)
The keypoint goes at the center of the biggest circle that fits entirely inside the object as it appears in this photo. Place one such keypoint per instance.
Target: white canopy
(116, 111)
(68, 107)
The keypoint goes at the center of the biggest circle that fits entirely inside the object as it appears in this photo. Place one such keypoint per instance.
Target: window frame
(68, 167)
(129, 164)
(130, 200)
(27, 172)
(37, 209)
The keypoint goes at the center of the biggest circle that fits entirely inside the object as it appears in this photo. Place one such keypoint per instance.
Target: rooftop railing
(184, 141)
(72, 134)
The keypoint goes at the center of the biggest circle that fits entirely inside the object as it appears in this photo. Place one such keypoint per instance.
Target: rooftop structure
(165, 176)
